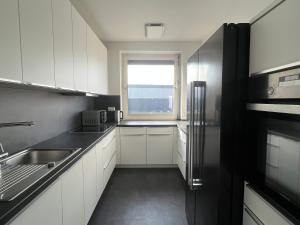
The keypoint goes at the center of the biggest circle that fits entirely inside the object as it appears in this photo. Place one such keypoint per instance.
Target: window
(150, 90)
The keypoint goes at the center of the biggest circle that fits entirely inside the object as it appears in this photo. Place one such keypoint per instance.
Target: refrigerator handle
(196, 134)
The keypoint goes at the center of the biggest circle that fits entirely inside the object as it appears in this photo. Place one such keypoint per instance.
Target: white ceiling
(185, 20)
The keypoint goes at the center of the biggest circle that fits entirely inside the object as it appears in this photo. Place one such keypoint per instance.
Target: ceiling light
(154, 30)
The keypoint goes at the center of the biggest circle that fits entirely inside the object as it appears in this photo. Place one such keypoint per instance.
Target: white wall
(115, 49)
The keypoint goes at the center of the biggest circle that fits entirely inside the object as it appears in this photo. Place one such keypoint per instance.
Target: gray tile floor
(142, 197)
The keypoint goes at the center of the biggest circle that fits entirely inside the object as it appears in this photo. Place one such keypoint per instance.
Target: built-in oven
(272, 158)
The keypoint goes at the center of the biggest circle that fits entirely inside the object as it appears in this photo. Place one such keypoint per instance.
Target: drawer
(108, 170)
(159, 130)
(133, 131)
(262, 209)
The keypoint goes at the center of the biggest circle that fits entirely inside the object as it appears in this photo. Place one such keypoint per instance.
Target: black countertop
(85, 141)
(156, 123)
(181, 124)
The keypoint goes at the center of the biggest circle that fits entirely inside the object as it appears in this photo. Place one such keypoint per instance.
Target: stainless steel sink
(39, 156)
(21, 170)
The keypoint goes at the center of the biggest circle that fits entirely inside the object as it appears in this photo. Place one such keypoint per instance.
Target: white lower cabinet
(160, 145)
(147, 145)
(72, 195)
(181, 152)
(133, 145)
(100, 177)
(72, 198)
(90, 183)
(46, 209)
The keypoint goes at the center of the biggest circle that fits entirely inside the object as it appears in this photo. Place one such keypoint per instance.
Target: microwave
(93, 117)
(272, 157)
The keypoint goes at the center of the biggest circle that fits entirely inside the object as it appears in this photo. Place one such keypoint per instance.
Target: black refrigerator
(217, 79)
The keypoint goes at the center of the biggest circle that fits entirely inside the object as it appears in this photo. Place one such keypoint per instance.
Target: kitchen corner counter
(181, 124)
(148, 123)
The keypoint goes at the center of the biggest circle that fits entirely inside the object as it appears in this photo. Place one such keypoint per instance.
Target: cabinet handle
(159, 134)
(253, 216)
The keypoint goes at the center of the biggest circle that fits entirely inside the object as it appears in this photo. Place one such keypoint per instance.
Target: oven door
(273, 155)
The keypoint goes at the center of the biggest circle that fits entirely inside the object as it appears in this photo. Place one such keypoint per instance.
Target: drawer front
(262, 209)
(132, 130)
(159, 130)
(109, 169)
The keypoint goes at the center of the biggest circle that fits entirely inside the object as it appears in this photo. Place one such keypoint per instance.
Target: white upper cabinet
(79, 51)
(10, 54)
(97, 64)
(93, 61)
(275, 38)
(37, 42)
(103, 69)
(63, 44)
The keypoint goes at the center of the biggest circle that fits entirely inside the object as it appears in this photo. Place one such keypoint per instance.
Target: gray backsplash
(52, 114)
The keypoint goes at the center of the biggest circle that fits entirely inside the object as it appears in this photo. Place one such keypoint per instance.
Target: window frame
(124, 88)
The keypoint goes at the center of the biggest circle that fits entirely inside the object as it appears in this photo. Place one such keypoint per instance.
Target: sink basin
(39, 156)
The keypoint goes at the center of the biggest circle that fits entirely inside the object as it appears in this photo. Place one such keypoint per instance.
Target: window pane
(150, 88)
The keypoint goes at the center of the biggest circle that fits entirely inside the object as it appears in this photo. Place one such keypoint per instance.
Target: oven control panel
(276, 85)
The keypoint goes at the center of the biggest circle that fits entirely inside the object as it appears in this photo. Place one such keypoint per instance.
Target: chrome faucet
(4, 154)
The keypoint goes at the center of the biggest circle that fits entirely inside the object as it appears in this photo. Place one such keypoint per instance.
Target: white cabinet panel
(10, 54)
(275, 38)
(133, 146)
(103, 69)
(97, 64)
(79, 51)
(46, 209)
(108, 170)
(262, 209)
(72, 195)
(90, 183)
(37, 41)
(100, 168)
(160, 149)
(93, 61)
(247, 219)
(63, 48)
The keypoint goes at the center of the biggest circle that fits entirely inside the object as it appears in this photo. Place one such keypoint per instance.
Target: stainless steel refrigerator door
(196, 134)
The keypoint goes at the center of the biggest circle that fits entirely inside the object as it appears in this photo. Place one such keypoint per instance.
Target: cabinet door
(100, 169)
(160, 146)
(79, 51)
(10, 54)
(72, 195)
(275, 38)
(63, 48)
(46, 209)
(37, 42)
(103, 69)
(93, 61)
(90, 183)
(133, 146)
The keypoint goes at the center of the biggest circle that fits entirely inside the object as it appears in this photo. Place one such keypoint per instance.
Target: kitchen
(138, 112)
